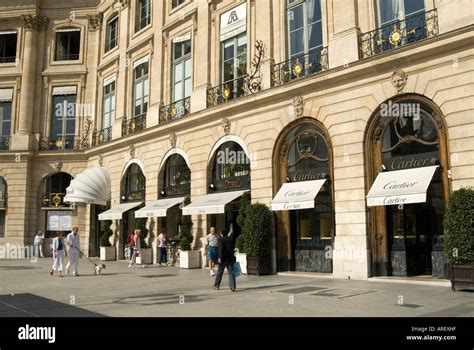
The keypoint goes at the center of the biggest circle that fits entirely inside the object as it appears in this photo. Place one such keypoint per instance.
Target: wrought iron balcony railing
(63, 143)
(10, 59)
(134, 125)
(67, 57)
(102, 136)
(53, 200)
(227, 91)
(399, 33)
(175, 110)
(300, 66)
(4, 143)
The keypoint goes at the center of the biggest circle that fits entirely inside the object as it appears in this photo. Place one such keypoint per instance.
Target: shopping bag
(237, 269)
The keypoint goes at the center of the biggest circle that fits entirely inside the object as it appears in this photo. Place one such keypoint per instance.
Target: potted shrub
(459, 238)
(240, 255)
(188, 259)
(146, 254)
(258, 239)
(107, 252)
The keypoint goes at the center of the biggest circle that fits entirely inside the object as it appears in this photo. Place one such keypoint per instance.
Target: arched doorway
(57, 213)
(303, 203)
(405, 152)
(133, 190)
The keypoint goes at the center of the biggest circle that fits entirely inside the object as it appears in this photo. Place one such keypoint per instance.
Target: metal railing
(300, 66)
(227, 91)
(8, 59)
(102, 136)
(67, 57)
(53, 200)
(63, 143)
(4, 143)
(134, 125)
(399, 33)
(175, 110)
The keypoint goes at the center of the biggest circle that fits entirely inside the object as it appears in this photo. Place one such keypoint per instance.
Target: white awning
(91, 186)
(233, 22)
(211, 203)
(64, 90)
(140, 61)
(401, 186)
(115, 213)
(158, 208)
(182, 38)
(297, 195)
(6, 95)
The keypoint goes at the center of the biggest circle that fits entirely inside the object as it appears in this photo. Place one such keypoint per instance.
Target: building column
(22, 139)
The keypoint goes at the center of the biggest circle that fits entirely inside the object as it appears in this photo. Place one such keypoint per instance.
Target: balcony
(53, 200)
(300, 66)
(134, 125)
(175, 110)
(399, 33)
(4, 143)
(228, 91)
(102, 136)
(63, 143)
(8, 59)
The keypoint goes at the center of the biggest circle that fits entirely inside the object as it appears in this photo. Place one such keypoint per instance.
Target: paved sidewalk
(27, 289)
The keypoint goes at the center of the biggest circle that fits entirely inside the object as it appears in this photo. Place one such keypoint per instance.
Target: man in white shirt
(73, 243)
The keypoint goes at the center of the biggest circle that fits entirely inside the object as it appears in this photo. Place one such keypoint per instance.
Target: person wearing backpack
(58, 254)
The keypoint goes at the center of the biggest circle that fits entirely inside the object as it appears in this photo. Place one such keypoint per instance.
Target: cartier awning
(211, 203)
(401, 186)
(297, 195)
(158, 208)
(91, 186)
(115, 213)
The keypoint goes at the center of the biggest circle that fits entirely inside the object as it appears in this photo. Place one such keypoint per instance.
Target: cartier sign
(411, 161)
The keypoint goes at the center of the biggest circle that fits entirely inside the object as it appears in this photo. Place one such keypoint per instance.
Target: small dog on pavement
(98, 269)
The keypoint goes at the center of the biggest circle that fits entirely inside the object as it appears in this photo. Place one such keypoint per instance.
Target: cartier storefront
(303, 201)
(408, 185)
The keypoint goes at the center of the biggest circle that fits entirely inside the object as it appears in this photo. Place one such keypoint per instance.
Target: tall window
(5, 117)
(304, 26)
(108, 115)
(134, 188)
(63, 124)
(181, 70)
(234, 57)
(177, 172)
(393, 10)
(112, 34)
(8, 47)
(55, 190)
(176, 3)
(143, 14)
(3, 205)
(141, 89)
(68, 43)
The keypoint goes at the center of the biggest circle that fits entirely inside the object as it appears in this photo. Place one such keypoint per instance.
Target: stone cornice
(37, 23)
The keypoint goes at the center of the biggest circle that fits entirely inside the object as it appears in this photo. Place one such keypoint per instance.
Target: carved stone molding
(298, 106)
(101, 160)
(173, 140)
(439, 122)
(378, 132)
(37, 23)
(399, 80)
(226, 126)
(58, 165)
(95, 21)
(131, 151)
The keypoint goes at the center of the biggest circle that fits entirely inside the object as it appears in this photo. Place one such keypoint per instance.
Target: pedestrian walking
(212, 248)
(137, 249)
(38, 243)
(226, 259)
(162, 245)
(59, 247)
(73, 243)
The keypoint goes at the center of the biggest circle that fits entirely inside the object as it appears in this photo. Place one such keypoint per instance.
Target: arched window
(177, 176)
(231, 168)
(134, 184)
(55, 190)
(3, 205)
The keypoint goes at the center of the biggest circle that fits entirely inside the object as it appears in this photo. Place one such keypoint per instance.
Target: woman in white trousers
(137, 249)
(59, 249)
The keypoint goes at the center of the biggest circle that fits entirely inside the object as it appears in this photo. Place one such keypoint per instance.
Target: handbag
(237, 269)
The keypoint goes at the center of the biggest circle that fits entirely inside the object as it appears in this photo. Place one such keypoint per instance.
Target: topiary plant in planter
(107, 252)
(188, 258)
(459, 238)
(257, 231)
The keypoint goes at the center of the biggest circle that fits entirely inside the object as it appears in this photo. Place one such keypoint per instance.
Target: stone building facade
(160, 85)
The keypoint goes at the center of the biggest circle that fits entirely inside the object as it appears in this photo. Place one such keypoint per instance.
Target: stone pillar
(265, 73)
(343, 43)
(199, 98)
(22, 139)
